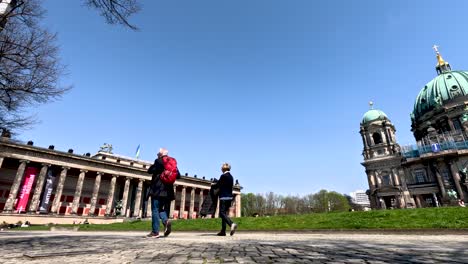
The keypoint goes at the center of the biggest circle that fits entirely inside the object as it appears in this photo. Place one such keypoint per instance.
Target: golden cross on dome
(440, 60)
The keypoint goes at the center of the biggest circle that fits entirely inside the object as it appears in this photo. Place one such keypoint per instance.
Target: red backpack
(169, 175)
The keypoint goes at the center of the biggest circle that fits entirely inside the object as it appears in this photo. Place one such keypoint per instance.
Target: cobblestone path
(187, 247)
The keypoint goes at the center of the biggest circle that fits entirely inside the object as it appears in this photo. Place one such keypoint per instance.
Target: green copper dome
(443, 88)
(373, 115)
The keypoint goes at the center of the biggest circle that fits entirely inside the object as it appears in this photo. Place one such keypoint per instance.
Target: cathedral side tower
(382, 160)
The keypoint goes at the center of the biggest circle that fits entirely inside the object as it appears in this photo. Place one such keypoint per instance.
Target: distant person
(224, 185)
(164, 171)
(211, 202)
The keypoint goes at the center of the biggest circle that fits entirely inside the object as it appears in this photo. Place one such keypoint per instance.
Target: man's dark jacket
(159, 190)
(225, 185)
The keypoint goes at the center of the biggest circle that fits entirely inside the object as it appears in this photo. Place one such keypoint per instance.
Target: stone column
(37, 191)
(1, 161)
(456, 179)
(217, 209)
(238, 205)
(171, 210)
(418, 201)
(149, 213)
(192, 203)
(58, 191)
(373, 201)
(136, 211)
(94, 197)
(377, 179)
(450, 122)
(382, 135)
(15, 186)
(110, 196)
(182, 203)
(396, 179)
(440, 181)
(200, 200)
(79, 188)
(125, 196)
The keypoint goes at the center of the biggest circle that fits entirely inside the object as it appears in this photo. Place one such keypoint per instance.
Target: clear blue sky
(277, 88)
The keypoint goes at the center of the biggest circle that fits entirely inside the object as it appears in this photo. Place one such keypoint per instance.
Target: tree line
(275, 204)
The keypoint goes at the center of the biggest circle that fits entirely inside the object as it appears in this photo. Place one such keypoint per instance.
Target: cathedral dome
(373, 115)
(443, 88)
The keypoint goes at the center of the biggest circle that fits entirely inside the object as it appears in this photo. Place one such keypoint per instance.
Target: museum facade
(45, 185)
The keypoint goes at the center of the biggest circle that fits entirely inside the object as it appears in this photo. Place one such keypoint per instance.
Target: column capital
(115, 175)
(128, 178)
(83, 171)
(46, 164)
(141, 180)
(65, 168)
(100, 173)
(184, 187)
(23, 161)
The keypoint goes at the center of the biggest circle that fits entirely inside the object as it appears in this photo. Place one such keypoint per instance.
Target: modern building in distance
(44, 185)
(432, 172)
(360, 197)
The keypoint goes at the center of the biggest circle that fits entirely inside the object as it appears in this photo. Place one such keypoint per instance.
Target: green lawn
(427, 218)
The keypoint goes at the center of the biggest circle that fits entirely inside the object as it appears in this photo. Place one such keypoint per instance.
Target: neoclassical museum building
(44, 185)
(433, 171)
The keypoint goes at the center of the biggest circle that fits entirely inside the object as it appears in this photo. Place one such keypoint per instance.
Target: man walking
(162, 191)
(224, 185)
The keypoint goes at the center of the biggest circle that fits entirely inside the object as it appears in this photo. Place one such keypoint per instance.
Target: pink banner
(23, 198)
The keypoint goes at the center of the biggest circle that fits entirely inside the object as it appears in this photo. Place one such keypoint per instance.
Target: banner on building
(435, 147)
(23, 198)
(45, 201)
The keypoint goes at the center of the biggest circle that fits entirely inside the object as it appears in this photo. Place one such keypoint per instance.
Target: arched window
(386, 180)
(377, 138)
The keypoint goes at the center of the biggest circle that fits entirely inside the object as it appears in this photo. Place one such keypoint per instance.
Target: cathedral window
(386, 180)
(445, 174)
(420, 176)
(456, 124)
(377, 138)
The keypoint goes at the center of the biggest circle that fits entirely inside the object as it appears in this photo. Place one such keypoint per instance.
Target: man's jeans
(157, 212)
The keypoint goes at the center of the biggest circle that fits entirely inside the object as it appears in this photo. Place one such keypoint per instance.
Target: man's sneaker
(233, 228)
(168, 228)
(221, 234)
(153, 235)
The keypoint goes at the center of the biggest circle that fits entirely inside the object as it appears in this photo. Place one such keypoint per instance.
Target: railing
(432, 144)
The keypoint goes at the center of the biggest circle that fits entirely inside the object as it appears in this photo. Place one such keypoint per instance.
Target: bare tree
(116, 11)
(29, 64)
(30, 68)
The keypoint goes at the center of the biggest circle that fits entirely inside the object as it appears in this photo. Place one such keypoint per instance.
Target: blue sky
(277, 88)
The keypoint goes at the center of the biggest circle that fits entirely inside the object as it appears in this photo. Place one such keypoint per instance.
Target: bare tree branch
(116, 11)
